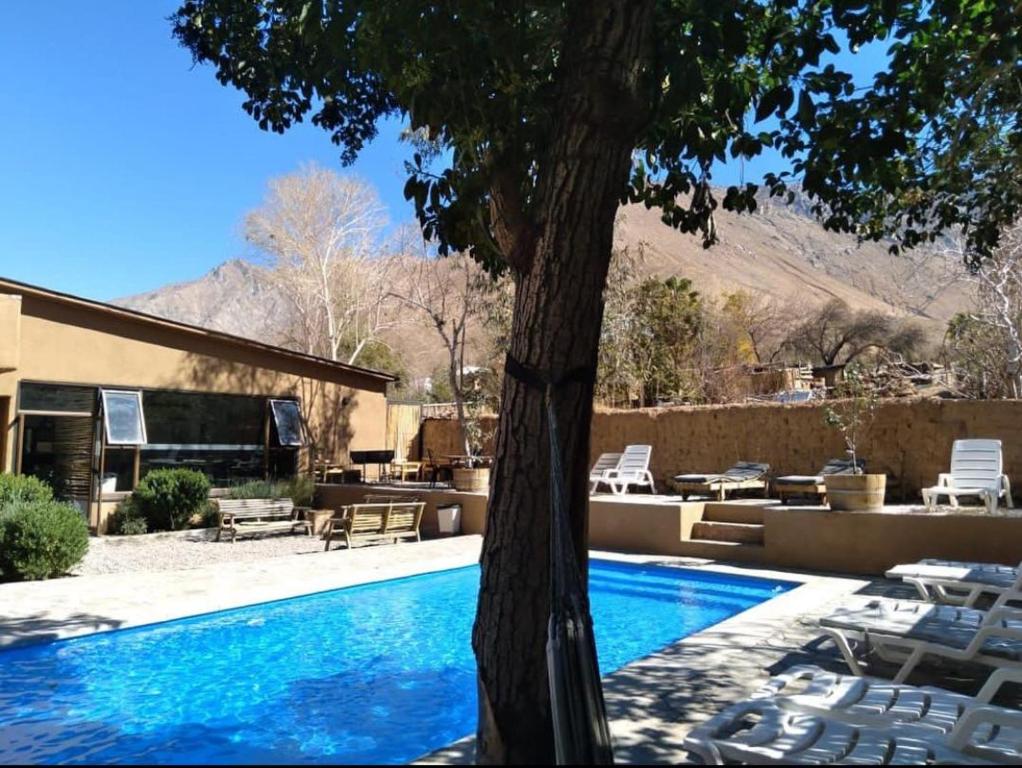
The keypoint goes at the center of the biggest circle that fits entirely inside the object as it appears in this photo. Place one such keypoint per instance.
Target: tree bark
(602, 104)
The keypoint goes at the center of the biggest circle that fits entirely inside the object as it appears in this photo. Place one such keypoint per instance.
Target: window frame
(302, 437)
(107, 436)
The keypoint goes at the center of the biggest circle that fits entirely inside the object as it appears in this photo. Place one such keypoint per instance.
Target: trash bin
(449, 519)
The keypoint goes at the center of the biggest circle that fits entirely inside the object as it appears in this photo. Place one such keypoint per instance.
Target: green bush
(41, 539)
(253, 489)
(300, 489)
(23, 488)
(210, 516)
(126, 520)
(167, 498)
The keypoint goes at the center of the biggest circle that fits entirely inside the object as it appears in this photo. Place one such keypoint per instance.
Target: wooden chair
(437, 470)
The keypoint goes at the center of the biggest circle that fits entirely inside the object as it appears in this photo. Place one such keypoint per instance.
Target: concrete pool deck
(651, 702)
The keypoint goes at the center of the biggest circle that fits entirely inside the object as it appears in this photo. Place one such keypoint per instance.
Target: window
(57, 398)
(288, 422)
(122, 417)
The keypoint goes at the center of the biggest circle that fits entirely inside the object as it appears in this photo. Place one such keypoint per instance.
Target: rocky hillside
(235, 297)
(779, 251)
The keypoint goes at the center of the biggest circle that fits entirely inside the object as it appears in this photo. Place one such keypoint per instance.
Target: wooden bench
(375, 521)
(241, 516)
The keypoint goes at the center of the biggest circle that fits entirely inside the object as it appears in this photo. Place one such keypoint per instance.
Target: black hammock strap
(581, 733)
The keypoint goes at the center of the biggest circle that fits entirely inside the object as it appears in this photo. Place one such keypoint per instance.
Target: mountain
(783, 252)
(235, 297)
(779, 251)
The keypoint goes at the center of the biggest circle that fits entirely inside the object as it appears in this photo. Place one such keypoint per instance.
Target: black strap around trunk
(532, 377)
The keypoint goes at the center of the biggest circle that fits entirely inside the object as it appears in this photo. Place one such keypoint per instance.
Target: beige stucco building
(93, 396)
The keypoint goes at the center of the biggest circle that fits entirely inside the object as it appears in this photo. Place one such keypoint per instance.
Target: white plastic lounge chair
(632, 469)
(977, 469)
(744, 474)
(958, 583)
(762, 731)
(871, 702)
(598, 474)
(813, 485)
(906, 632)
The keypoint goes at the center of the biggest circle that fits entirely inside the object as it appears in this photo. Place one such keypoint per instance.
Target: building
(93, 396)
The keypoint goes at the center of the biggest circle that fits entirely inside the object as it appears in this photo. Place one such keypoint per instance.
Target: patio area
(756, 531)
(652, 702)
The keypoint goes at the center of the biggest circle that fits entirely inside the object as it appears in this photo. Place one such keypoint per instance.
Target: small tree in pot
(852, 413)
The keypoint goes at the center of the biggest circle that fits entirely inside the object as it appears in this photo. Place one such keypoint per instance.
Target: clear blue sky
(122, 167)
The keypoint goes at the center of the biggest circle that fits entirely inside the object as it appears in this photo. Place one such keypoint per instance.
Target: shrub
(127, 520)
(253, 489)
(41, 539)
(300, 489)
(23, 488)
(167, 498)
(206, 517)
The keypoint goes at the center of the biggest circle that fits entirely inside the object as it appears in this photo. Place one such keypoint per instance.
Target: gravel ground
(169, 552)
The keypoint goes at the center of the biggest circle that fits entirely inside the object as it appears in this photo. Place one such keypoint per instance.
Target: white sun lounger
(906, 632)
(818, 728)
(958, 583)
(632, 469)
(871, 702)
(977, 469)
(598, 474)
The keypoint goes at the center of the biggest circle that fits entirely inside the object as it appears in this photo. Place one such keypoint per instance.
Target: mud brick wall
(910, 439)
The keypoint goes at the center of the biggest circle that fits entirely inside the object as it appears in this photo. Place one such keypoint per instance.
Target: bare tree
(449, 294)
(758, 321)
(321, 233)
(837, 333)
(988, 339)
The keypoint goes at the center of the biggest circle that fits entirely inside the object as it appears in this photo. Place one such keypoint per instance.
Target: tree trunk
(556, 329)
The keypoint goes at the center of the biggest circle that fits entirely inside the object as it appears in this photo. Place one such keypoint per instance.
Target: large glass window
(61, 398)
(122, 417)
(195, 418)
(221, 435)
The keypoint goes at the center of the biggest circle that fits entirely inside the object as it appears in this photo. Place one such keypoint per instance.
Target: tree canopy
(535, 120)
(932, 142)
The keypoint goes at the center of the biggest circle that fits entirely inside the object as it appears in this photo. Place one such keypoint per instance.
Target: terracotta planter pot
(474, 480)
(855, 492)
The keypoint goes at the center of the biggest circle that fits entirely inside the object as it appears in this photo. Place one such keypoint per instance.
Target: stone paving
(651, 702)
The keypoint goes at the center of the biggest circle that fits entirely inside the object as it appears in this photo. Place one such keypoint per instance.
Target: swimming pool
(378, 673)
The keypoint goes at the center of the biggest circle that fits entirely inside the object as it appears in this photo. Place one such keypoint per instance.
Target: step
(723, 551)
(732, 512)
(738, 533)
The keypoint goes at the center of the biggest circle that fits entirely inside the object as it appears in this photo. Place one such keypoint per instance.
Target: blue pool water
(380, 673)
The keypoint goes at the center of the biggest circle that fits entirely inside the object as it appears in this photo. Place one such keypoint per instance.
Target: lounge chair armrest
(944, 479)
(985, 633)
(993, 684)
(976, 716)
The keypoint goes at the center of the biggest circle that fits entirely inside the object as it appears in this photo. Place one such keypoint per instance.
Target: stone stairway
(732, 522)
(729, 530)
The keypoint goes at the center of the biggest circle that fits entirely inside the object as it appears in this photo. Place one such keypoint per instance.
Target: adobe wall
(910, 440)
(72, 345)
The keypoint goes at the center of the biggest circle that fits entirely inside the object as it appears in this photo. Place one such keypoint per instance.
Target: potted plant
(852, 414)
(473, 475)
